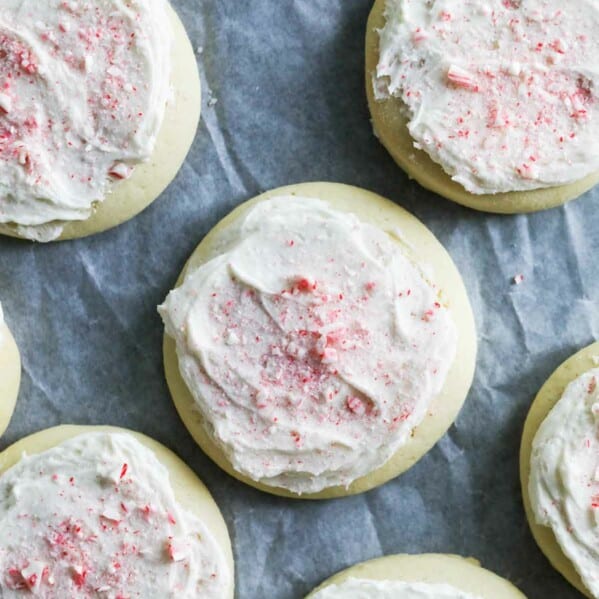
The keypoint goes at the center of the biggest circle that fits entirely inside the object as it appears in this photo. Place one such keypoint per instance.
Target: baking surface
(287, 78)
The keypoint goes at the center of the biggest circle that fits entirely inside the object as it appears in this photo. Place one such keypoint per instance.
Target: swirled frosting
(500, 93)
(96, 517)
(564, 479)
(83, 90)
(311, 344)
(356, 588)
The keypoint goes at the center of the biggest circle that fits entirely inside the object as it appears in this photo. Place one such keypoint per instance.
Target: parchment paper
(284, 103)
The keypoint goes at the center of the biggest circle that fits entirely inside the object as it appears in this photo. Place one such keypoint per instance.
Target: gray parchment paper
(287, 77)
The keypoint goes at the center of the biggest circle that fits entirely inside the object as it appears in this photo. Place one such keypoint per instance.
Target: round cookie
(129, 197)
(548, 396)
(387, 216)
(10, 374)
(464, 574)
(390, 127)
(189, 490)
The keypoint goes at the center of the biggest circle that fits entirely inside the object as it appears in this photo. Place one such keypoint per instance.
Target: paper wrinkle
(574, 235)
(103, 298)
(213, 117)
(47, 395)
(228, 161)
(83, 312)
(378, 527)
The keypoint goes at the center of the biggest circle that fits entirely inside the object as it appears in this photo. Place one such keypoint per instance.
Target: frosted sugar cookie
(320, 341)
(489, 103)
(97, 511)
(427, 576)
(559, 466)
(99, 104)
(10, 374)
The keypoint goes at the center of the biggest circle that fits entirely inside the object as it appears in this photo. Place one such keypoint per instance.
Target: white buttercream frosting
(500, 93)
(83, 90)
(564, 479)
(96, 517)
(311, 344)
(356, 588)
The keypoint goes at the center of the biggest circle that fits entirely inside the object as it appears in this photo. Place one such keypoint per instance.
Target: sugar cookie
(10, 374)
(434, 576)
(490, 103)
(558, 469)
(321, 357)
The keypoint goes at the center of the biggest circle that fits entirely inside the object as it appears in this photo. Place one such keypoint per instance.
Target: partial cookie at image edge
(130, 197)
(548, 396)
(390, 127)
(10, 375)
(465, 574)
(189, 490)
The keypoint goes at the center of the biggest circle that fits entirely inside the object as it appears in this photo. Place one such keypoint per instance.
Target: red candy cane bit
(405, 414)
(79, 574)
(305, 285)
(5, 103)
(419, 35)
(558, 46)
(15, 580)
(120, 171)
(595, 501)
(462, 78)
(31, 581)
(176, 551)
(124, 471)
(428, 315)
(356, 406)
